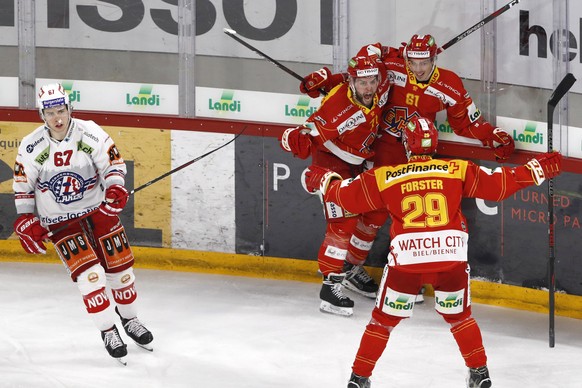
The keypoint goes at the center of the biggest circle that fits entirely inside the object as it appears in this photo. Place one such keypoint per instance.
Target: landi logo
(302, 108)
(74, 95)
(227, 102)
(144, 97)
(529, 134)
(443, 127)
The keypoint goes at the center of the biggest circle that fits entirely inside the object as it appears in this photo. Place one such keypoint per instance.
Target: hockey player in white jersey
(67, 169)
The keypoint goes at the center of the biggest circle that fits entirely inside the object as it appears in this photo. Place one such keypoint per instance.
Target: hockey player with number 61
(429, 236)
(70, 169)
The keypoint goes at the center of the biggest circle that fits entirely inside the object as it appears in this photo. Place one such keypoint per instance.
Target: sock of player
(333, 250)
(372, 346)
(361, 243)
(468, 337)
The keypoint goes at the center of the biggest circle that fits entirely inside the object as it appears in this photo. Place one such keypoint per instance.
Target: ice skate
(137, 332)
(478, 378)
(358, 280)
(333, 300)
(359, 381)
(114, 344)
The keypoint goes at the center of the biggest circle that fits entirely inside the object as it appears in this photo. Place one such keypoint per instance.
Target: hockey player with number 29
(429, 236)
(67, 169)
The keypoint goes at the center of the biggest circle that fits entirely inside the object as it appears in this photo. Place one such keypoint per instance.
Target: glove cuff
(537, 171)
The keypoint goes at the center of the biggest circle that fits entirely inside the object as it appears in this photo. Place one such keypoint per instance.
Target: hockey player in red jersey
(67, 169)
(429, 235)
(339, 136)
(419, 88)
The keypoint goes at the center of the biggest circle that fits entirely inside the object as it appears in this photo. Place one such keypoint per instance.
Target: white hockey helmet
(52, 95)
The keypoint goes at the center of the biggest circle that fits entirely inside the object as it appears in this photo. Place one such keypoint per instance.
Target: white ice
(225, 331)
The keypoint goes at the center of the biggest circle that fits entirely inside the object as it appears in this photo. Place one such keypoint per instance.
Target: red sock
(371, 348)
(468, 337)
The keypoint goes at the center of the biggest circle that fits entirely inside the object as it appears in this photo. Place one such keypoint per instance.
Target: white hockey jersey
(65, 179)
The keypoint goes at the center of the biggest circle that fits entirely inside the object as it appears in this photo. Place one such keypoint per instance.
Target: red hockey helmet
(421, 46)
(362, 66)
(420, 137)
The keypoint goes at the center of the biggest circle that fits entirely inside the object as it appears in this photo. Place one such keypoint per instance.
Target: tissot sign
(302, 30)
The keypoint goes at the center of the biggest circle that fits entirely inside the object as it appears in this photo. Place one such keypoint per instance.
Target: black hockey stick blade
(561, 90)
(234, 35)
(477, 25)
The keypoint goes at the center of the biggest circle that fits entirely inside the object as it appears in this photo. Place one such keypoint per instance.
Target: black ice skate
(359, 382)
(332, 298)
(358, 280)
(137, 332)
(114, 344)
(478, 378)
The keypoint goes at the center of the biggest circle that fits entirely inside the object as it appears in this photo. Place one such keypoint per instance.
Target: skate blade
(147, 347)
(121, 360)
(327, 307)
(351, 287)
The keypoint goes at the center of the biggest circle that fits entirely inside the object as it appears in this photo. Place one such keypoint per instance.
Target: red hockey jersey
(344, 127)
(429, 231)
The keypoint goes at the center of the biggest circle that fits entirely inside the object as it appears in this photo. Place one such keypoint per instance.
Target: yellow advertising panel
(147, 153)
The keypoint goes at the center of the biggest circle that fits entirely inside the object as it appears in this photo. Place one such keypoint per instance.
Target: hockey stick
(476, 26)
(555, 98)
(147, 184)
(233, 35)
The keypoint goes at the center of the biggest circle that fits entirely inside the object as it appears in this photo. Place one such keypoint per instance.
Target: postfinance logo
(227, 102)
(144, 97)
(74, 95)
(529, 134)
(302, 108)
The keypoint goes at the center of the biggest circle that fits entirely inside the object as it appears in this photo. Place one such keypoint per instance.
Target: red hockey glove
(297, 141)
(30, 233)
(319, 178)
(116, 197)
(501, 143)
(545, 166)
(322, 79)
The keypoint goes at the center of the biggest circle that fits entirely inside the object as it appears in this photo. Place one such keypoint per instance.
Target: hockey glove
(501, 143)
(319, 178)
(116, 197)
(297, 141)
(320, 80)
(30, 233)
(545, 166)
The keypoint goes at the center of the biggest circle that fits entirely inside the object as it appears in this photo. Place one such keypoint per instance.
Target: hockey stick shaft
(147, 184)
(555, 98)
(477, 26)
(233, 35)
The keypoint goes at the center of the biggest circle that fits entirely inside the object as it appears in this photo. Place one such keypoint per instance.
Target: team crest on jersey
(394, 120)
(68, 187)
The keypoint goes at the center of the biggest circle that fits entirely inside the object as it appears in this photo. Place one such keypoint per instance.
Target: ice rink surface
(222, 331)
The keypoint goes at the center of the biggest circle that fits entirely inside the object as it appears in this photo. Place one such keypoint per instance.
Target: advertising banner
(302, 30)
(508, 241)
(146, 218)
